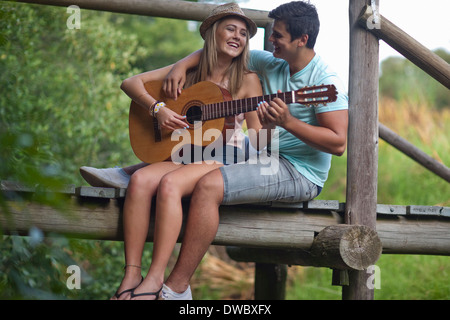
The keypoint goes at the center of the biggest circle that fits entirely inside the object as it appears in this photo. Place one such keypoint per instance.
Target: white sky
(426, 21)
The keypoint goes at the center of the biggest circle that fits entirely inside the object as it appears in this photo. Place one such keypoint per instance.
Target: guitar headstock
(316, 95)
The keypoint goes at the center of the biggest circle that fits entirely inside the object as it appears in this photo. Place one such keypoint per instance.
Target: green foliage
(61, 107)
(402, 80)
(161, 48)
(61, 87)
(33, 269)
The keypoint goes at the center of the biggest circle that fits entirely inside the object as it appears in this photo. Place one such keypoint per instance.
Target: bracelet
(151, 108)
(156, 107)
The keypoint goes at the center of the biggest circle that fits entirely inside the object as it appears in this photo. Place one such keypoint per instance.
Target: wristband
(154, 108)
(158, 106)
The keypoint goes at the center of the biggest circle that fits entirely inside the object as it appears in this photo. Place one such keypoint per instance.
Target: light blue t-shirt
(274, 75)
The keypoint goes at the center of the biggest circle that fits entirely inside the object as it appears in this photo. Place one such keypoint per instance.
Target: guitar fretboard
(230, 108)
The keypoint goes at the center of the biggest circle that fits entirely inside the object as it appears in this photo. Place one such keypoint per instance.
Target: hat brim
(252, 27)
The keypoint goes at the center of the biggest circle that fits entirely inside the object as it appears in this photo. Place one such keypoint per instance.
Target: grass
(401, 180)
(403, 277)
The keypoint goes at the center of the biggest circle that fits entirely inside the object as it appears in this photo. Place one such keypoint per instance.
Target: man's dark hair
(301, 18)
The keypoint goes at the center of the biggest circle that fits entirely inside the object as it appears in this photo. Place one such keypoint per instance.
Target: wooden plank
(389, 209)
(13, 186)
(428, 211)
(241, 225)
(93, 192)
(156, 8)
(413, 50)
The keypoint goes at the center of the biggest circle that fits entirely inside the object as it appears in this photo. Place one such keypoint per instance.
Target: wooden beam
(362, 160)
(287, 230)
(414, 153)
(413, 50)
(156, 8)
(346, 247)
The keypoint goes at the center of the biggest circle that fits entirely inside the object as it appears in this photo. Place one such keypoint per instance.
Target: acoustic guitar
(205, 106)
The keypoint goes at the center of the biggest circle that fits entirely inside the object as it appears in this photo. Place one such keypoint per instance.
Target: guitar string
(229, 108)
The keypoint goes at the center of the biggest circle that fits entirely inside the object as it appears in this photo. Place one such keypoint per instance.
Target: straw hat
(228, 9)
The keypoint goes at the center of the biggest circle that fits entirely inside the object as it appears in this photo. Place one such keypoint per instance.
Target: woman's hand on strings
(171, 120)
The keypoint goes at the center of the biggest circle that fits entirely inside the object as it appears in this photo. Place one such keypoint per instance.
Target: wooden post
(270, 281)
(362, 159)
(268, 46)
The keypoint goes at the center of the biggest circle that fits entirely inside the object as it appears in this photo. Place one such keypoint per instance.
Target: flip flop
(117, 295)
(156, 294)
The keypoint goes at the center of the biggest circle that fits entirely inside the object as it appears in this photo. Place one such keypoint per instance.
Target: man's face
(284, 47)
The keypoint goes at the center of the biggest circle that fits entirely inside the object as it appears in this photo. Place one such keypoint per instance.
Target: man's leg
(201, 228)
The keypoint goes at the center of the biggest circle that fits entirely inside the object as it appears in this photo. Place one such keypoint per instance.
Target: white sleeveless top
(238, 137)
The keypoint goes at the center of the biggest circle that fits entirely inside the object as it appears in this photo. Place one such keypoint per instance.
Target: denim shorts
(274, 179)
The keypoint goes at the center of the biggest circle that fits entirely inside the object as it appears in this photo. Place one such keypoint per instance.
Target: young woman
(226, 33)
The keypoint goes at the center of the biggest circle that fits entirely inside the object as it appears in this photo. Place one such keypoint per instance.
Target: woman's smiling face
(231, 36)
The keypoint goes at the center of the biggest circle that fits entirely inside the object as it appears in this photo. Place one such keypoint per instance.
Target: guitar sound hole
(194, 113)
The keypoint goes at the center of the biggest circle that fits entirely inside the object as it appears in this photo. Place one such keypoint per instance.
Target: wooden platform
(96, 213)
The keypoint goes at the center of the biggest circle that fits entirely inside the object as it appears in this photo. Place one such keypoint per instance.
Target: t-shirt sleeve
(259, 60)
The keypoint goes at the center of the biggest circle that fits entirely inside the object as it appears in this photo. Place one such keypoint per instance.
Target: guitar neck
(233, 107)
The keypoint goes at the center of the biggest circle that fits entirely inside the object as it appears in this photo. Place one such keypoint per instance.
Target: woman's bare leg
(142, 188)
(169, 216)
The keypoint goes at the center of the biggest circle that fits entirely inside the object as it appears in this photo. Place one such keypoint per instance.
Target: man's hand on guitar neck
(176, 78)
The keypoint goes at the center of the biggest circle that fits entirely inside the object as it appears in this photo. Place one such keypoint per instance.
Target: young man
(306, 137)
(301, 140)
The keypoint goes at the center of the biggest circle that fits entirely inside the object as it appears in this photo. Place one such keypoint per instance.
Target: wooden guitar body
(152, 144)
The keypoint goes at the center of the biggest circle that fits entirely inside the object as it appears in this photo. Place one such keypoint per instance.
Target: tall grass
(401, 180)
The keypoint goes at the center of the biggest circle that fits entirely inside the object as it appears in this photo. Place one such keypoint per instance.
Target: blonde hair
(208, 59)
